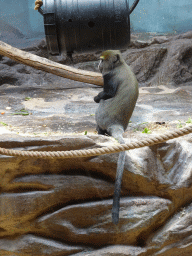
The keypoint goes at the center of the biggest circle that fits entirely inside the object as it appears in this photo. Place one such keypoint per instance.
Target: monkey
(116, 104)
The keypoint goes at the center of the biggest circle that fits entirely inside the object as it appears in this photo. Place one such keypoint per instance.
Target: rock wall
(155, 61)
(63, 206)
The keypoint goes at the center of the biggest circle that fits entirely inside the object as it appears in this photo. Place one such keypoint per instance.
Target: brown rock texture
(90, 223)
(63, 206)
(34, 245)
(175, 237)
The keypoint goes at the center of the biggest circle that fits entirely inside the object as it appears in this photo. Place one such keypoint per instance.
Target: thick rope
(100, 151)
(38, 4)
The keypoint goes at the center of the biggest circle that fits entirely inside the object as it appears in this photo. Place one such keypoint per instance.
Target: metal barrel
(86, 25)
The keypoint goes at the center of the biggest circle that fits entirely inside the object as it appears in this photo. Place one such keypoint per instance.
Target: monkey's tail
(117, 192)
(117, 132)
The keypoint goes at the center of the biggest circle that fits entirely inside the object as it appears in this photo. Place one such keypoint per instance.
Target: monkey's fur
(116, 104)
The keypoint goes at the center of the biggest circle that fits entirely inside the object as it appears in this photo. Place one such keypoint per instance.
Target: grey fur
(115, 109)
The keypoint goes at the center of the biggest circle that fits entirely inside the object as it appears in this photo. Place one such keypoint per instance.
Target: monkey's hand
(102, 95)
(98, 97)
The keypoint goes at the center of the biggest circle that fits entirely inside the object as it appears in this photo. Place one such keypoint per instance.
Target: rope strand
(100, 151)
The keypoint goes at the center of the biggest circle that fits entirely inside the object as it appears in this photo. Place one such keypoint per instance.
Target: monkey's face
(108, 61)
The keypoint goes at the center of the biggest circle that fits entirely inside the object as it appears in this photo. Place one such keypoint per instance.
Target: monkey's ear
(116, 58)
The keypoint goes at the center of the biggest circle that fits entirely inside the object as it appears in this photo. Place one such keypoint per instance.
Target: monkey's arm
(109, 89)
(102, 95)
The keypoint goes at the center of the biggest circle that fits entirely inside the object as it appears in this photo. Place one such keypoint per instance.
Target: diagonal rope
(100, 151)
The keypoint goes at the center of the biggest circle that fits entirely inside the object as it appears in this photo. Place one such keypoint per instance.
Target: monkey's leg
(100, 131)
